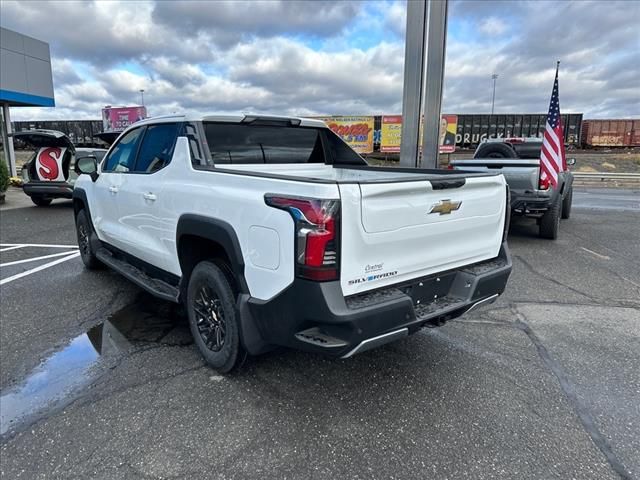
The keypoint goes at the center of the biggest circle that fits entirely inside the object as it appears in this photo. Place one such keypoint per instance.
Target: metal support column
(436, 48)
(7, 140)
(413, 81)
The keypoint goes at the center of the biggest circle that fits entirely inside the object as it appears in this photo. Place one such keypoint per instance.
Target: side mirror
(87, 165)
(571, 161)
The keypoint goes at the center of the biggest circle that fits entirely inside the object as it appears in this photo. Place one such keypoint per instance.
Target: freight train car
(473, 129)
(81, 132)
(611, 133)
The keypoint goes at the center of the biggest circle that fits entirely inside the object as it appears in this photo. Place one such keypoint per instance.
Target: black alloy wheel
(83, 240)
(210, 319)
(83, 233)
(213, 316)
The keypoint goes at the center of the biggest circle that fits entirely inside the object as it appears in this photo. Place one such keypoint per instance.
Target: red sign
(119, 118)
(49, 164)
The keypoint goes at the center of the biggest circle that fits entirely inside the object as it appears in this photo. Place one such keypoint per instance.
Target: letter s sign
(49, 163)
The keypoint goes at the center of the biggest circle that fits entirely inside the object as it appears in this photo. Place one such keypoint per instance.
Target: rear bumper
(316, 316)
(531, 203)
(48, 189)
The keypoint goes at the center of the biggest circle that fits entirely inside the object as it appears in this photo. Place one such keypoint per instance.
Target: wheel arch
(200, 238)
(80, 202)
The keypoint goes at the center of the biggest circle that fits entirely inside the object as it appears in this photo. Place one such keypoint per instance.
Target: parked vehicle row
(273, 231)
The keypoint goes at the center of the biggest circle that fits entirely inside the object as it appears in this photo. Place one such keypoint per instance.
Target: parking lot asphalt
(99, 380)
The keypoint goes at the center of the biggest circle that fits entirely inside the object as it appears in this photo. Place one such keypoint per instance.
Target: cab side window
(157, 147)
(122, 156)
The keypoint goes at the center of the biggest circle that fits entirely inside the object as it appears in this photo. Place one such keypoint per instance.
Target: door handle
(150, 196)
(113, 189)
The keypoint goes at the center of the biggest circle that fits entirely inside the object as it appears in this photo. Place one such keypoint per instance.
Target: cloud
(329, 57)
(367, 80)
(102, 33)
(492, 26)
(64, 72)
(396, 18)
(227, 22)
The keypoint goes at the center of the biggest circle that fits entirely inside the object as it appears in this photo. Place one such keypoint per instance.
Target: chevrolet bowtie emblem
(445, 207)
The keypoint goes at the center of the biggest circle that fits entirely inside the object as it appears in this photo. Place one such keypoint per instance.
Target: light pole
(424, 56)
(142, 97)
(493, 97)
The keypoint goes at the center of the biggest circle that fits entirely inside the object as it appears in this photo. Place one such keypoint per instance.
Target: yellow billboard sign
(391, 133)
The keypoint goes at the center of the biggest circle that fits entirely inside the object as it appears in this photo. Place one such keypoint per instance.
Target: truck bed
(521, 174)
(392, 228)
(318, 172)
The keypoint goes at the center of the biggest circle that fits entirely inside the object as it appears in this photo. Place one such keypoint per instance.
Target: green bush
(4, 176)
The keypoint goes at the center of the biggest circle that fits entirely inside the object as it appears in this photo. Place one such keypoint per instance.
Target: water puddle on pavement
(51, 384)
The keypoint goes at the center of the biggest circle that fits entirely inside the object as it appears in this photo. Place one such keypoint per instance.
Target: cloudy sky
(328, 57)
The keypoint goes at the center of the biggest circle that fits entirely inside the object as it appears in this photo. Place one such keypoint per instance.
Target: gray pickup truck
(518, 160)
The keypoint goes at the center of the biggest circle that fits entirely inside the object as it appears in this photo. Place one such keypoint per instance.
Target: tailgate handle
(446, 184)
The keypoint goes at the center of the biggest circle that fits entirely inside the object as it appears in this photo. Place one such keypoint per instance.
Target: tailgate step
(442, 306)
(152, 285)
(315, 337)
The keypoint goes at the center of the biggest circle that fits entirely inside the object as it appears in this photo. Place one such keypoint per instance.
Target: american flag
(552, 158)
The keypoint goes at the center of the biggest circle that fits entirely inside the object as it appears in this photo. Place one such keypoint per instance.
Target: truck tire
(550, 221)
(213, 318)
(83, 232)
(566, 204)
(41, 201)
(495, 150)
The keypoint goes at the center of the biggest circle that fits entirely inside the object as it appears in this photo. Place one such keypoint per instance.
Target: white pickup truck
(273, 231)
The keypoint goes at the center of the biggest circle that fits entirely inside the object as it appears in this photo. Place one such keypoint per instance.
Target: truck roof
(237, 118)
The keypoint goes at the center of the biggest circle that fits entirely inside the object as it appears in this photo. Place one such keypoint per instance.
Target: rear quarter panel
(265, 234)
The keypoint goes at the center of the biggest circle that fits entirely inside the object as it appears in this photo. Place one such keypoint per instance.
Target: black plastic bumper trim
(49, 190)
(308, 305)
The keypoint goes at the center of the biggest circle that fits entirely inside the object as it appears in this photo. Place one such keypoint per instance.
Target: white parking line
(10, 248)
(41, 245)
(39, 268)
(16, 262)
(604, 257)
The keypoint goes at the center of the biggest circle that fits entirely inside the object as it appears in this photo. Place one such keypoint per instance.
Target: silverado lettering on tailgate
(371, 278)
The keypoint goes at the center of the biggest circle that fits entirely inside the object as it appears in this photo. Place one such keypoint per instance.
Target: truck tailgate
(521, 174)
(398, 231)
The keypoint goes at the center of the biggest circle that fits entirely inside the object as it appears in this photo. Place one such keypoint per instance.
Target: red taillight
(544, 184)
(316, 223)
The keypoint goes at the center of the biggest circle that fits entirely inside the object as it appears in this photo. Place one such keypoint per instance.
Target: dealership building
(25, 81)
